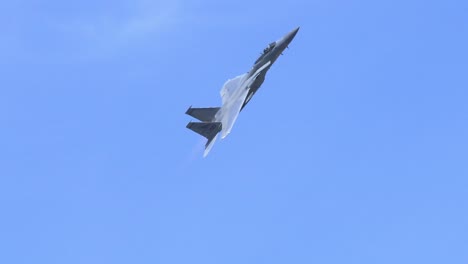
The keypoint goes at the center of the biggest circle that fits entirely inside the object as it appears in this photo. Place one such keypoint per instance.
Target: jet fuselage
(270, 53)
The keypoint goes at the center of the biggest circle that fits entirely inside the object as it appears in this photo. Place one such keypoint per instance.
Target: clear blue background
(355, 149)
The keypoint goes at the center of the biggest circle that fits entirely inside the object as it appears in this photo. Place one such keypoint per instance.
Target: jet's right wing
(232, 113)
(230, 117)
(230, 87)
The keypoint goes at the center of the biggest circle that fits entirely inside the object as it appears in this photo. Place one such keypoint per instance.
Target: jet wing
(230, 87)
(233, 112)
(230, 117)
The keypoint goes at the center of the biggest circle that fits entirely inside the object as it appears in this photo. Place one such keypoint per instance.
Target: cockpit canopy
(266, 51)
(269, 48)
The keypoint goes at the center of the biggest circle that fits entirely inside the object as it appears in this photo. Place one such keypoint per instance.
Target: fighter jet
(235, 95)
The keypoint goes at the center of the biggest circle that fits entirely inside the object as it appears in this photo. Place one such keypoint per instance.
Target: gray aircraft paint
(235, 94)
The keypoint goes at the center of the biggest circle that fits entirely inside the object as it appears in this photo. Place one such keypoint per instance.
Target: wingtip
(224, 133)
(188, 110)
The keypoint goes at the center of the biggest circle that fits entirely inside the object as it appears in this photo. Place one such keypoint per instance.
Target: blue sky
(355, 149)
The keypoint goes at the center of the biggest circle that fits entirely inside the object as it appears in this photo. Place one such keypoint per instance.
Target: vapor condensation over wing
(230, 86)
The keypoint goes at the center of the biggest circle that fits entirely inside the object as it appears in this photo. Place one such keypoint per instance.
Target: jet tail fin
(207, 129)
(203, 114)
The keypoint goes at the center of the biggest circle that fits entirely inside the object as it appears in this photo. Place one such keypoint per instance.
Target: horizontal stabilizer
(203, 114)
(207, 129)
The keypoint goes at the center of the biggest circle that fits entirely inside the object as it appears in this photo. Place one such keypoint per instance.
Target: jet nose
(284, 42)
(293, 33)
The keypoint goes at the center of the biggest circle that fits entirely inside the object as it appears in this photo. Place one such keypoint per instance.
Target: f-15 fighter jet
(235, 94)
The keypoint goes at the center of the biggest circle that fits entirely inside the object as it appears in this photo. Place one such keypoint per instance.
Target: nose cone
(292, 34)
(284, 42)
